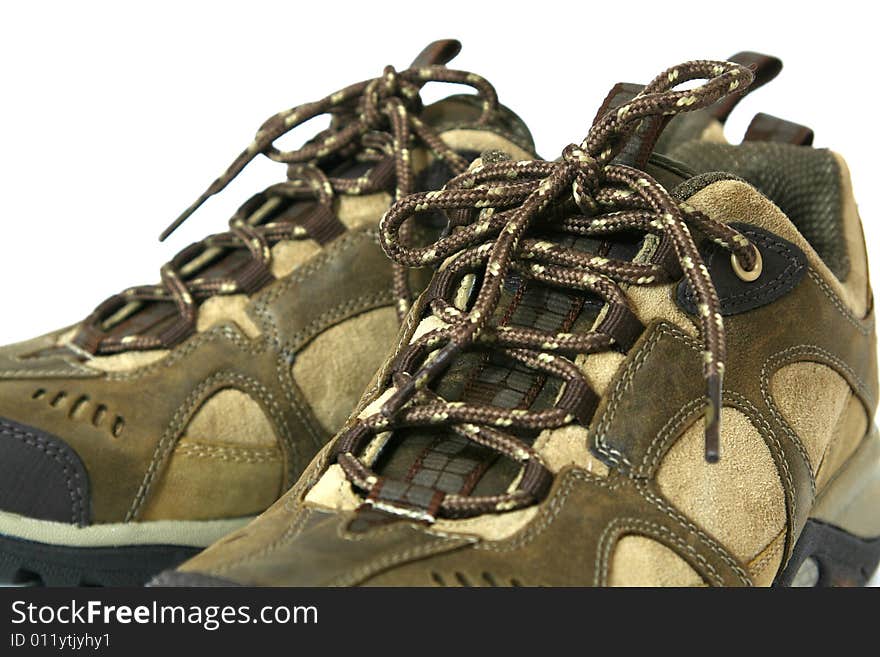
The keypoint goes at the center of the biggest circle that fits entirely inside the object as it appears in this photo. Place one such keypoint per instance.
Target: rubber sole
(826, 555)
(839, 545)
(38, 552)
(28, 563)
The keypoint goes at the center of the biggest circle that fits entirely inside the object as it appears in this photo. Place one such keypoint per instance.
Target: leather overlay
(634, 436)
(125, 425)
(18, 361)
(784, 265)
(156, 403)
(569, 543)
(290, 312)
(41, 477)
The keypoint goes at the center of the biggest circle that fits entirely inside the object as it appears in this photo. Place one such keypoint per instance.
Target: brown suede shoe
(628, 370)
(176, 412)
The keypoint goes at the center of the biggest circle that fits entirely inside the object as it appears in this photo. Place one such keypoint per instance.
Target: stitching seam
(863, 326)
(176, 427)
(600, 440)
(711, 543)
(619, 526)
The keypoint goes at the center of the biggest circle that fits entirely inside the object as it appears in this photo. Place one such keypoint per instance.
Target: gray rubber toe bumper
(41, 476)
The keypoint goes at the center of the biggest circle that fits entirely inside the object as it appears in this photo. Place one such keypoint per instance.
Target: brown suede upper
(651, 400)
(130, 418)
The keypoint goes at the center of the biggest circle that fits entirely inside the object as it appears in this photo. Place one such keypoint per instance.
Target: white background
(114, 118)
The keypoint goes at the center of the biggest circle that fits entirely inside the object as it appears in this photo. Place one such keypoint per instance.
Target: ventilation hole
(100, 412)
(39, 393)
(516, 582)
(439, 581)
(57, 399)
(118, 426)
(77, 406)
(464, 581)
(491, 581)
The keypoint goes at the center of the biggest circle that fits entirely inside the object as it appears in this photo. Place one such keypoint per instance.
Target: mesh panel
(803, 182)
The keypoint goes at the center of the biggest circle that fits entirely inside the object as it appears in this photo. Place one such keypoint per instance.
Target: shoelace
(374, 121)
(492, 207)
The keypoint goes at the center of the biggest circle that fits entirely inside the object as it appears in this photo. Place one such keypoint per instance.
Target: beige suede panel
(599, 369)
(231, 417)
(848, 434)
(642, 561)
(376, 405)
(333, 370)
(763, 568)
(568, 446)
(333, 491)
(207, 481)
(733, 200)
(739, 500)
(65, 337)
(811, 398)
(128, 360)
(430, 323)
(480, 140)
(224, 309)
(357, 211)
(491, 527)
(291, 254)
(652, 302)
(714, 132)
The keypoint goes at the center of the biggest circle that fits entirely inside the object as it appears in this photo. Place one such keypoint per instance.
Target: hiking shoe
(178, 411)
(609, 381)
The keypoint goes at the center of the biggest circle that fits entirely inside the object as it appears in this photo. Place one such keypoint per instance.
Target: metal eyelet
(745, 275)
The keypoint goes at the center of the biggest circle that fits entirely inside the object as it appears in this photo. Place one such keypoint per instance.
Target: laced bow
(374, 122)
(492, 207)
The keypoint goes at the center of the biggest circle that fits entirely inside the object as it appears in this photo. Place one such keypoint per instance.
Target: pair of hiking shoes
(430, 358)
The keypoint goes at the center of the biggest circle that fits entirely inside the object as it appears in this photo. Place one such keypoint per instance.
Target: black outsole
(838, 558)
(30, 563)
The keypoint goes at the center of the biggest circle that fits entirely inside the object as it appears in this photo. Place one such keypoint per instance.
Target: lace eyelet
(745, 275)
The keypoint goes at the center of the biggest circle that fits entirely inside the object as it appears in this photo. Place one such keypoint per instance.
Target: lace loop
(374, 122)
(495, 206)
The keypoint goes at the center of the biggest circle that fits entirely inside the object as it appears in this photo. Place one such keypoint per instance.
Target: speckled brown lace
(492, 207)
(374, 122)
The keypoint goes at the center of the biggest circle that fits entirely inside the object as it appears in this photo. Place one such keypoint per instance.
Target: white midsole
(188, 533)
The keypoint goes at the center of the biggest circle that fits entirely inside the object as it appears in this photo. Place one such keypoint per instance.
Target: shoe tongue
(641, 143)
(438, 458)
(442, 460)
(641, 148)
